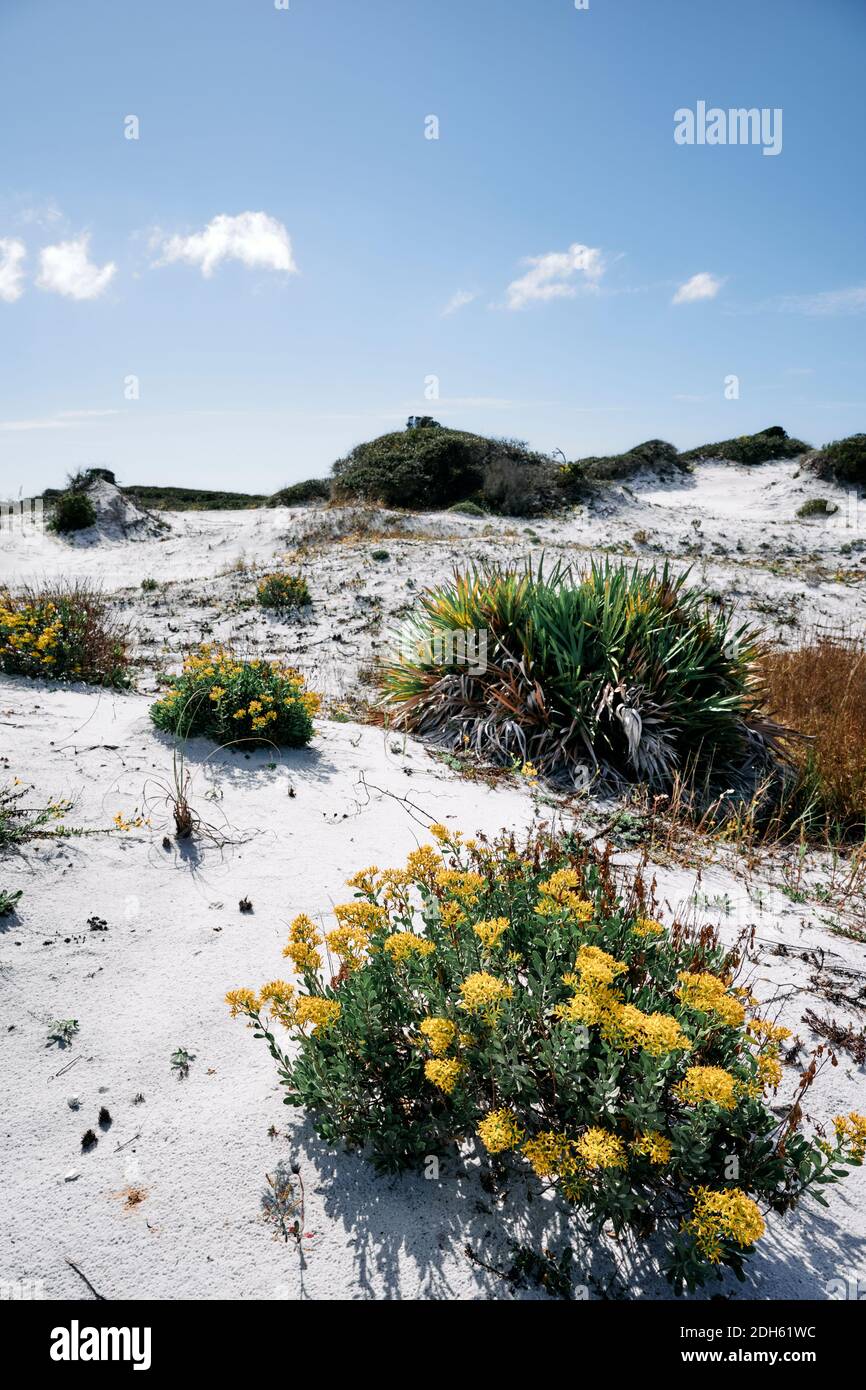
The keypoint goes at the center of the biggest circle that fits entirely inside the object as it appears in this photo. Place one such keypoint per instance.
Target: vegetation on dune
(843, 461)
(819, 689)
(768, 444)
(300, 494)
(220, 696)
(71, 511)
(512, 997)
(653, 454)
(20, 821)
(282, 592)
(182, 499)
(626, 673)
(63, 631)
(429, 466)
(817, 506)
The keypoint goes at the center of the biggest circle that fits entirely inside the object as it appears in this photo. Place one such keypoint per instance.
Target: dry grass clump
(819, 689)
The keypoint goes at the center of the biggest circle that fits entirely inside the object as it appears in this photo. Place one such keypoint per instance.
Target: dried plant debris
(845, 1038)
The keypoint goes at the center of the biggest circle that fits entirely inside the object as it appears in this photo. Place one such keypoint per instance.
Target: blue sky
(533, 258)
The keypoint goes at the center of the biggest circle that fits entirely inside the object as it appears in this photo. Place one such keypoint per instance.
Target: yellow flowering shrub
(519, 1003)
(219, 696)
(62, 632)
(282, 592)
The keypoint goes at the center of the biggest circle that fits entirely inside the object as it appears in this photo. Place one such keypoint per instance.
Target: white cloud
(553, 276)
(703, 286)
(65, 269)
(850, 301)
(254, 238)
(12, 254)
(458, 301)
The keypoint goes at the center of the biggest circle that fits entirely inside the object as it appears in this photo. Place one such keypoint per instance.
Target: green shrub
(20, 822)
(380, 555)
(430, 466)
(630, 674)
(654, 454)
(516, 997)
(72, 511)
(9, 901)
(817, 506)
(467, 508)
(282, 592)
(771, 443)
(219, 696)
(62, 631)
(149, 586)
(298, 494)
(844, 460)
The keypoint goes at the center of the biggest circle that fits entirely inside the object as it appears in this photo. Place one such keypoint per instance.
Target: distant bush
(653, 454)
(514, 487)
(516, 1000)
(819, 689)
(467, 508)
(627, 673)
(183, 499)
(428, 466)
(298, 494)
(149, 586)
(768, 444)
(843, 461)
(282, 592)
(817, 506)
(72, 511)
(219, 696)
(63, 631)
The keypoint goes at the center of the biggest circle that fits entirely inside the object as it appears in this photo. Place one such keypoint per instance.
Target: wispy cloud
(12, 256)
(702, 286)
(66, 269)
(63, 420)
(253, 238)
(458, 301)
(848, 301)
(556, 275)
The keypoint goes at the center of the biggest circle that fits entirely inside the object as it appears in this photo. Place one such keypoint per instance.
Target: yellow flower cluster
(648, 926)
(364, 880)
(851, 1131)
(549, 1153)
(422, 866)
(653, 1146)
(216, 667)
(499, 1131)
(560, 892)
(303, 940)
(280, 996)
(242, 1001)
(463, 884)
(728, 1215)
(763, 1030)
(30, 634)
(440, 1034)
(311, 1008)
(598, 1148)
(482, 993)
(443, 1072)
(709, 995)
(402, 945)
(597, 1003)
(491, 930)
(130, 823)
(708, 1086)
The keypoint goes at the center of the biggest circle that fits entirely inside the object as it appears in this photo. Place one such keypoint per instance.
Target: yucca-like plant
(626, 674)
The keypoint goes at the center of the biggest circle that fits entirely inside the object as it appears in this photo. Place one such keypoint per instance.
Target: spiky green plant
(629, 674)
